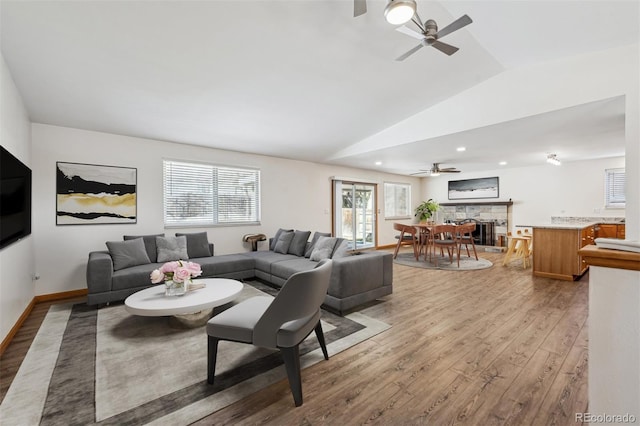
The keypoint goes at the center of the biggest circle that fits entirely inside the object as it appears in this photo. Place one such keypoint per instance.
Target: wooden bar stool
(518, 247)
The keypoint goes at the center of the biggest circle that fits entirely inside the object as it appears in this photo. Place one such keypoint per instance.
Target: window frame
(395, 216)
(614, 187)
(213, 196)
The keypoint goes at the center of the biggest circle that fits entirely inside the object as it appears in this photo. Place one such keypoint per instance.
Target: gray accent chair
(280, 323)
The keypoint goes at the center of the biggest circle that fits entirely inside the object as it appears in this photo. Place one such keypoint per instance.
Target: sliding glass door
(354, 213)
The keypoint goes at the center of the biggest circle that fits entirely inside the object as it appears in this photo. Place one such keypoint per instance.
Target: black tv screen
(15, 199)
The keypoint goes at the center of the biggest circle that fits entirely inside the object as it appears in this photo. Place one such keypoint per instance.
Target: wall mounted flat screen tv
(15, 199)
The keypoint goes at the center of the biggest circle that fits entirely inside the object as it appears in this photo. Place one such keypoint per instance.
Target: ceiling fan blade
(463, 21)
(449, 171)
(411, 33)
(444, 47)
(409, 53)
(359, 7)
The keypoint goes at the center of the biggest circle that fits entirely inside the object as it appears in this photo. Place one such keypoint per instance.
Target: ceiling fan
(359, 7)
(429, 34)
(435, 170)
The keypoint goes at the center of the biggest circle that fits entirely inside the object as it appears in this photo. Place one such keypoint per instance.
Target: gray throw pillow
(197, 244)
(274, 240)
(127, 253)
(149, 244)
(299, 242)
(314, 240)
(323, 248)
(172, 248)
(283, 243)
(341, 250)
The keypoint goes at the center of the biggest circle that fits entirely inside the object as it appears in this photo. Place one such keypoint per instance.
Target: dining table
(426, 233)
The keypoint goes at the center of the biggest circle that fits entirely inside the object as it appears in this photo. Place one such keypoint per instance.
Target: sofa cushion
(323, 248)
(149, 244)
(286, 268)
(220, 265)
(135, 276)
(299, 242)
(197, 244)
(274, 240)
(341, 250)
(172, 248)
(314, 240)
(264, 259)
(283, 243)
(127, 253)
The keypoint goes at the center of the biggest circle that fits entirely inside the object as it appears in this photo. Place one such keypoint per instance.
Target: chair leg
(320, 336)
(292, 364)
(211, 358)
(395, 253)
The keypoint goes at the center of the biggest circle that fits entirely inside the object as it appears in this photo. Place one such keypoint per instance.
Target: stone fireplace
(491, 219)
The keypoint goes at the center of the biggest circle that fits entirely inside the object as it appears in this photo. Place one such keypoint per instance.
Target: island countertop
(567, 225)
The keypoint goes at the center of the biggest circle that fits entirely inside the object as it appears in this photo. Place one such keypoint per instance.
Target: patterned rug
(466, 263)
(104, 366)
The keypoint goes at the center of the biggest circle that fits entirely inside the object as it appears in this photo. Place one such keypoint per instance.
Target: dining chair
(408, 236)
(280, 323)
(464, 233)
(444, 237)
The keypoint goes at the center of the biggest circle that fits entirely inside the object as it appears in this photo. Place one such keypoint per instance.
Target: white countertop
(568, 225)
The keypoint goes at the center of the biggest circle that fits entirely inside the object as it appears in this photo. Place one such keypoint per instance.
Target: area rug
(104, 366)
(466, 263)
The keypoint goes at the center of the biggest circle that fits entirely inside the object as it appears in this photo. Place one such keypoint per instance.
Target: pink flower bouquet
(178, 271)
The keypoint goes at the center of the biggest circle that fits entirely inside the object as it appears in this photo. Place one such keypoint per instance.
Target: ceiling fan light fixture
(435, 173)
(553, 159)
(399, 12)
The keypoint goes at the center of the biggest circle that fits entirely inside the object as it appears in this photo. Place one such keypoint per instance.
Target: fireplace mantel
(479, 203)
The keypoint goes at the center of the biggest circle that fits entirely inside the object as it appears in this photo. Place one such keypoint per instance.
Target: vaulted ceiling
(304, 79)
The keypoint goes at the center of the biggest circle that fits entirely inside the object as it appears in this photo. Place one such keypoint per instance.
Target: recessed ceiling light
(378, 163)
(461, 149)
(503, 163)
(553, 159)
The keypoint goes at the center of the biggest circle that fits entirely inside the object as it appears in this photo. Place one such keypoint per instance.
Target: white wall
(16, 260)
(295, 194)
(572, 189)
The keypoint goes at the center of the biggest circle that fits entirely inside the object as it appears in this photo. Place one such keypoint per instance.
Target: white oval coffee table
(152, 302)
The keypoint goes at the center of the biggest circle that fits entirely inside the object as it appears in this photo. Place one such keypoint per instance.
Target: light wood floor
(496, 346)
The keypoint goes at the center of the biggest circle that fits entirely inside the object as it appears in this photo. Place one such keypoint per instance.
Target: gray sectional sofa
(356, 278)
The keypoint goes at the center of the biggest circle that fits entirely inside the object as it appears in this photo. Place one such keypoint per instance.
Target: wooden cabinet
(555, 253)
(607, 230)
(610, 230)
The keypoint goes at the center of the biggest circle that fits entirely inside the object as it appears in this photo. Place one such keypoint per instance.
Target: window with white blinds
(397, 200)
(614, 182)
(197, 194)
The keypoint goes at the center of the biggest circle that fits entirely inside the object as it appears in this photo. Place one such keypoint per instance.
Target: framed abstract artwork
(474, 188)
(89, 194)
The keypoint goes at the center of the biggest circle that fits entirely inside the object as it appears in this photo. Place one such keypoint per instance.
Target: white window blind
(397, 200)
(614, 183)
(197, 194)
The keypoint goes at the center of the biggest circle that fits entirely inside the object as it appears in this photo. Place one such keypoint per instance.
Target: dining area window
(397, 200)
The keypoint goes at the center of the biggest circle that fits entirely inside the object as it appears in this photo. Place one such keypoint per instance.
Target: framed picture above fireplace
(474, 188)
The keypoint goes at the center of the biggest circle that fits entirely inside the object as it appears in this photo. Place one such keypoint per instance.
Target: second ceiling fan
(429, 35)
(399, 12)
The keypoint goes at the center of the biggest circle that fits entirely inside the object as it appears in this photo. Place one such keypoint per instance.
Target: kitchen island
(556, 247)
